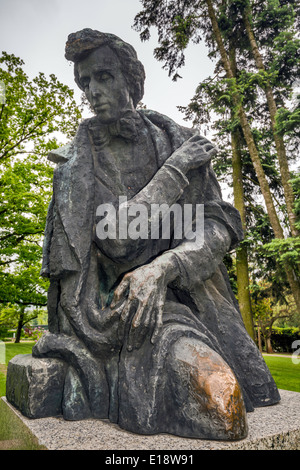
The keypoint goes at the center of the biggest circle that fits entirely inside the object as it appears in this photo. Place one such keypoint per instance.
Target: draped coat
(134, 388)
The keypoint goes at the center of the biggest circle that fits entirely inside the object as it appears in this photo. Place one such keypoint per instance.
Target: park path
(277, 354)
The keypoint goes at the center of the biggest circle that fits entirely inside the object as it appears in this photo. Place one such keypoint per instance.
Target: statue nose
(95, 88)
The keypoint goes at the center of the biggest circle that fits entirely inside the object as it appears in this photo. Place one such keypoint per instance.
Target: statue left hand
(143, 305)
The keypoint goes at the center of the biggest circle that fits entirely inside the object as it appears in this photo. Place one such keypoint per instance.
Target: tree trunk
(242, 271)
(279, 142)
(264, 186)
(269, 348)
(243, 289)
(254, 155)
(20, 325)
(281, 153)
(259, 338)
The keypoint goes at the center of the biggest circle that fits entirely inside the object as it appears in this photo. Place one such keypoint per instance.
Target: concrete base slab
(275, 427)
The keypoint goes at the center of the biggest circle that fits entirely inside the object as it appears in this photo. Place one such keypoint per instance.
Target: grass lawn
(11, 350)
(285, 373)
(14, 435)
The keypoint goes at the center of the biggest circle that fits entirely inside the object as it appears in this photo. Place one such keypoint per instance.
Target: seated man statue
(144, 329)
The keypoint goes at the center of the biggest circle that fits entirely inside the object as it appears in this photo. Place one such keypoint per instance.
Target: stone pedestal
(35, 386)
(274, 427)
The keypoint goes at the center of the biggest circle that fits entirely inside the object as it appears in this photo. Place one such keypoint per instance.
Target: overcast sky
(36, 31)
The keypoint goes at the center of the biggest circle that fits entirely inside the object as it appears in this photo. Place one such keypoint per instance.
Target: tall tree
(34, 115)
(177, 24)
(242, 269)
(272, 106)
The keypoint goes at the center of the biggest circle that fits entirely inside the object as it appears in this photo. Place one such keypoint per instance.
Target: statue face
(104, 84)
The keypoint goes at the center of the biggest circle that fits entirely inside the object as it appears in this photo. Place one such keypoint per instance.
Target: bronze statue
(143, 329)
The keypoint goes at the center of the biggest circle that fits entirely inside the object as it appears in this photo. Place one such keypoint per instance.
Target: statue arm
(166, 187)
(190, 262)
(145, 288)
(183, 266)
(218, 232)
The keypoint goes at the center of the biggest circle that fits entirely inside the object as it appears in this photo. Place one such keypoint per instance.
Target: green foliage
(270, 309)
(288, 122)
(34, 116)
(183, 29)
(285, 251)
(229, 262)
(296, 188)
(274, 23)
(177, 23)
(287, 331)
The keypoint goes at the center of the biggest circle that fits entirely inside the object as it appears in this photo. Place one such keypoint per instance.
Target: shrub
(282, 338)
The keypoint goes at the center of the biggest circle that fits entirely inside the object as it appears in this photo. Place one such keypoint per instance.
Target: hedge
(283, 338)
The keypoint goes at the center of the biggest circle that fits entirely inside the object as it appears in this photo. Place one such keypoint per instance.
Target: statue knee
(208, 389)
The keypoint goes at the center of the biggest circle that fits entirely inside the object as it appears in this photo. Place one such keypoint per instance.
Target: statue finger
(120, 291)
(127, 313)
(210, 149)
(159, 320)
(117, 311)
(107, 316)
(122, 321)
(141, 325)
(134, 327)
(195, 138)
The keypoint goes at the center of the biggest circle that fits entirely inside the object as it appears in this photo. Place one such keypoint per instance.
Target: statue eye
(104, 76)
(85, 82)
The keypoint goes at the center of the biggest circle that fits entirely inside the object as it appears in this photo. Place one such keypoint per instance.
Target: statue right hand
(193, 153)
(143, 293)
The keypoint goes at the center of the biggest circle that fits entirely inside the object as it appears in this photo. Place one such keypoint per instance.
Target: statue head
(88, 47)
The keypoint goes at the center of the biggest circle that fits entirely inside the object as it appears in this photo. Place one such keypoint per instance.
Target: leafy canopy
(35, 117)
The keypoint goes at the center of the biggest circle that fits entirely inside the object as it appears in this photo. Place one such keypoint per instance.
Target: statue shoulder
(64, 153)
(177, 133)
(166, 123)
